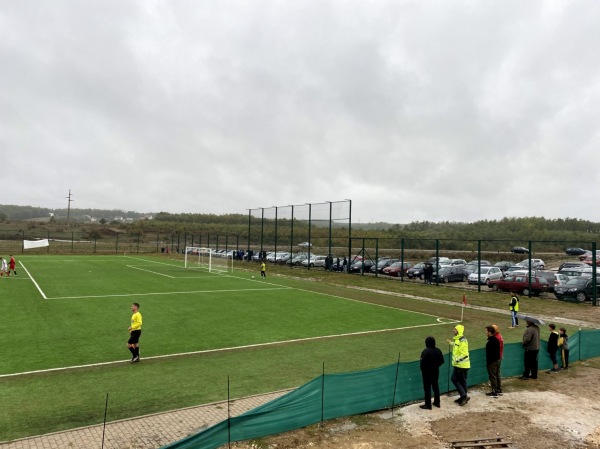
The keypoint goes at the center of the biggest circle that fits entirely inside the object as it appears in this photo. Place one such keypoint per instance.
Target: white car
(536, 264)
(314, 261)
(485, 275)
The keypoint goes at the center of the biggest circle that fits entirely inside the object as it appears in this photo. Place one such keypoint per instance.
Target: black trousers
(531, 363)
(430, 382)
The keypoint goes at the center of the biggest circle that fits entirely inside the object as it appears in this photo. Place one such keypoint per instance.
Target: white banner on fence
(28, 244)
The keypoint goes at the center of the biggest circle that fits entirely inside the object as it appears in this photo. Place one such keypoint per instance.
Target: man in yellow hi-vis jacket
(461, 363)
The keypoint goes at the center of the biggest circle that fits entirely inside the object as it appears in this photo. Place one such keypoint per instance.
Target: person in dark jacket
(431, 360)
(531, 344)
(492, 361)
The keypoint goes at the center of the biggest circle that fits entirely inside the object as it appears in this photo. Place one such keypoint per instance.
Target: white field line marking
(174, 293)
(156, 262)
(369, 303)
(232, 348)
(150, 271)
(33, 280)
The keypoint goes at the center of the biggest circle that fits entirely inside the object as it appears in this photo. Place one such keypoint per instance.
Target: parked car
(297, 259)
(520, 284)
(483, 262)
(361, 266)
(485, 275)
(448, 274)
(519, 250)
(580, 288)
(571, 265)
(440, 261)
(384, 263)
(314, 261)
(469, 268)
(536, 264)
(577, 272)
(458, 262)
(503, 265)
(416, 272)
(554, 279)
(397, 268)
(589, 260)
(575, 251)
(516, 269)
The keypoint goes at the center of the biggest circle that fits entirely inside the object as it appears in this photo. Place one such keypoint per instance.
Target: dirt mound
(556, 411)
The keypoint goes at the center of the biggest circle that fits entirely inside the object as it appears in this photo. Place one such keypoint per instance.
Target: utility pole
(69, 207)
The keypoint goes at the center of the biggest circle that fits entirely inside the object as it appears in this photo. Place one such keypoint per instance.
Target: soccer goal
(208, 259)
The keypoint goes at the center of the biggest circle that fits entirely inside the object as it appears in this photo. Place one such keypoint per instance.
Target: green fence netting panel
(335, 395)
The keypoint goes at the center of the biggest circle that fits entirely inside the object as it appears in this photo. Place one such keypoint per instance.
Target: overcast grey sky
(415, 110)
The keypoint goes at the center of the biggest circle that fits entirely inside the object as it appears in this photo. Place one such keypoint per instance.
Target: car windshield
(484, 270)
(396, 265)
(419, 265)
(577, 282)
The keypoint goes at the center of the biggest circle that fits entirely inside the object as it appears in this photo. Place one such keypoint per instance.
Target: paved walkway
(144, 432)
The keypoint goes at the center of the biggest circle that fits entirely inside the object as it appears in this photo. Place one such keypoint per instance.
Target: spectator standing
(514, 309)
(563, 344)
(431, 360)
(553, 347)
(531, 344)
(498, 336)
(345, 265)
(461, 363)
(492, 360)
(338, 266)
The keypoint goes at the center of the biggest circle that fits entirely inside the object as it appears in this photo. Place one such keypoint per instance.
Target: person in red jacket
(498, 335)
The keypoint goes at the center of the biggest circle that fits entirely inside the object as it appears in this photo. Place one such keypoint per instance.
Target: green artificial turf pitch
(64, 325)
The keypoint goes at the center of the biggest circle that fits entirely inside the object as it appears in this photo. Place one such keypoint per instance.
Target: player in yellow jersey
(263, 270)
(135, 331)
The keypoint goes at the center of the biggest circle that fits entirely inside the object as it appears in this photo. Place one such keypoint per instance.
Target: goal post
(208, 259)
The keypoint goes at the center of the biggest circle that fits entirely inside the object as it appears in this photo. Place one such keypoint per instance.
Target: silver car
(485, 275)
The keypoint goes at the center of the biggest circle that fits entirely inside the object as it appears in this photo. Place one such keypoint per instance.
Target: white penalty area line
(174, 293)
(232, 348)
(150, 271)
(33, 280)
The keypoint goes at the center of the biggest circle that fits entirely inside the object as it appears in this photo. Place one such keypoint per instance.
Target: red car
(396, 268)
(519, 283)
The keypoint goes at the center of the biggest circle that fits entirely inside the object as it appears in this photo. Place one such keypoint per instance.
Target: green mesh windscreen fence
(336, 395)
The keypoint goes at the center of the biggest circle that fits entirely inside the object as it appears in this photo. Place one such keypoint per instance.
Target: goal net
(208, 259)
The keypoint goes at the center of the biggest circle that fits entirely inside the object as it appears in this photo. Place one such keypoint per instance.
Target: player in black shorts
(135, 331)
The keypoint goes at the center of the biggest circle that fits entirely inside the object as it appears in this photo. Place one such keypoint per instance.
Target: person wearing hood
(431, 360)
(531, 344)
(461, 363)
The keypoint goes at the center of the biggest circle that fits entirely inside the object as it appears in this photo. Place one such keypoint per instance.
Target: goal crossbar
(208, 259)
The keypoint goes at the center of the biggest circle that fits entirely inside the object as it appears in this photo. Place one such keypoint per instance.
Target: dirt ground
(558, 410)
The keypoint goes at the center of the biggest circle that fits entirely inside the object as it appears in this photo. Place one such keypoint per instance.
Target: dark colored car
(571, 265)
(575, 251)
(449, 274)
(416, 272)
(384, 263)
(520, 250)
(469, 268)
(504, 265)
(520, 284)
(397, 268)
(554, 279)
(361, 266)
(580, 288)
